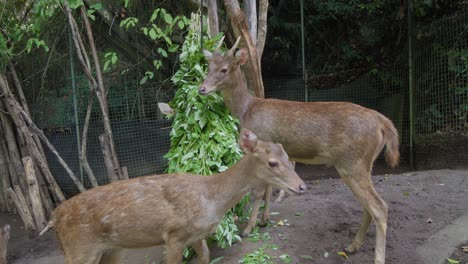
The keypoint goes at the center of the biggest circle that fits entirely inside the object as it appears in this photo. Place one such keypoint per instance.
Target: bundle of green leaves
(204, 135)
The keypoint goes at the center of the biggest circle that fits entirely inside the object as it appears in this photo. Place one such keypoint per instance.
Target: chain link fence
(141, 133)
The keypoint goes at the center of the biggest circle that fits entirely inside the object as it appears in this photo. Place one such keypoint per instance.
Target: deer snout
(302, 188)
(202, 90)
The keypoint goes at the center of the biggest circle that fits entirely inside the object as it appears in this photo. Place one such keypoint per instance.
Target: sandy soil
(319, 223)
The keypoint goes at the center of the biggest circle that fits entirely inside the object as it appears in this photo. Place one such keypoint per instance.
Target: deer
(340, 134)
(177, 210)
(4, 237)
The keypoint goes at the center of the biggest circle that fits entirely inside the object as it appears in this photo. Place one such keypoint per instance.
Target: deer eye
(272, 163)
(224, 70)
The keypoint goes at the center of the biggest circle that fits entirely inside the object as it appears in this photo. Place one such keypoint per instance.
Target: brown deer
(178, 210)
(340, 134)
(4, 237)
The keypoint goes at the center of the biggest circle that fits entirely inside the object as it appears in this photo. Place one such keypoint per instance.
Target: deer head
(223, 69)
(272, 163)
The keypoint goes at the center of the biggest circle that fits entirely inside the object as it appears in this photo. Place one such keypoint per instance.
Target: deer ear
(207, 54)
(248, 141)
(242, 56)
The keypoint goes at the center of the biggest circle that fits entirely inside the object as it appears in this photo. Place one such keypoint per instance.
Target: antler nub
(219, 44)
(231, 51)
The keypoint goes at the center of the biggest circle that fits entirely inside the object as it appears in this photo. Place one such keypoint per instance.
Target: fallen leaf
(280, 223)
(298, 214)
(216, 260)
(309, 257)
(343, 254)
(274, 213)
(326, 254)
(464, 248)
(452, 261)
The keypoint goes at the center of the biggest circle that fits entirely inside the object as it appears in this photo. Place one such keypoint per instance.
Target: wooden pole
(34, 193)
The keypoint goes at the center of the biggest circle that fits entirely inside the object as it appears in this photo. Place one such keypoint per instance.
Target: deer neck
(228, 187)
(237, 97)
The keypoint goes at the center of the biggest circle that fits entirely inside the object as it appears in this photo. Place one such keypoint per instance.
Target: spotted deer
(177, 210)
(340, 134)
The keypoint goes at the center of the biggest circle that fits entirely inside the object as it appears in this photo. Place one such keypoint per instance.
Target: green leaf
(181, 24)
(96, 6)
(162, 52)
(168, 18)
(74, 4)
(453, 261)
(143, 80)
(173, 48)
(152, 34)
(309, 257)
(106, 65)
(154, 15)
(126, 3)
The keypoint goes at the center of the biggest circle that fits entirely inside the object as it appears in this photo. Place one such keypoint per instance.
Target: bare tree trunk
(14, 154)
(102, 96)
(125, 173)
(250, 7)
(107, 158)
(213, 17)
(84, 140)
(34, 193)
(5, 176)
(23, 101)
(23, 209)
(6, 170)
(238, 22)
(262, 27)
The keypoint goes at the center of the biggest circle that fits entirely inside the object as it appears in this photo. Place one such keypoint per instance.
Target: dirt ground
(319, 223)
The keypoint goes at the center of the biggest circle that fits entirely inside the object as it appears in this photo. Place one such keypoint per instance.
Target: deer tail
(47, 228)
(392, 151)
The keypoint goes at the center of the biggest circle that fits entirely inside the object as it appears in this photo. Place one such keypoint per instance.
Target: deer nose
(302, 188)
(202, 90)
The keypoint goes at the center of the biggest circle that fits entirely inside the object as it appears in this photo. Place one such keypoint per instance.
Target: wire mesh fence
(141, 133)
(441, 92)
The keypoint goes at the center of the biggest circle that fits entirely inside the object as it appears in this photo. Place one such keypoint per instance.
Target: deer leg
(359, 239)
(375, 207)
(111, 257)
(266, 209)
(203, 253)
(175, 251)
(257, 194)
(82, 256)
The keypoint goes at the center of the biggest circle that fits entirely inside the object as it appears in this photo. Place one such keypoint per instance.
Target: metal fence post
(411, 84)
(304, 71)
(75, 104)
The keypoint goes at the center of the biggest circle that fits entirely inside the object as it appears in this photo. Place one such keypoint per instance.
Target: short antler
(231, 51)
(219, 44)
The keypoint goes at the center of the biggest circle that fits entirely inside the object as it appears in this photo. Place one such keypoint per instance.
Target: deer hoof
(244, 234)
(353, 247)
(263, 223)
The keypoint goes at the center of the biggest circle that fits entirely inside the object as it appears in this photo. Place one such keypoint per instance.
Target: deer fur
(340, 134)
(177, 210)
